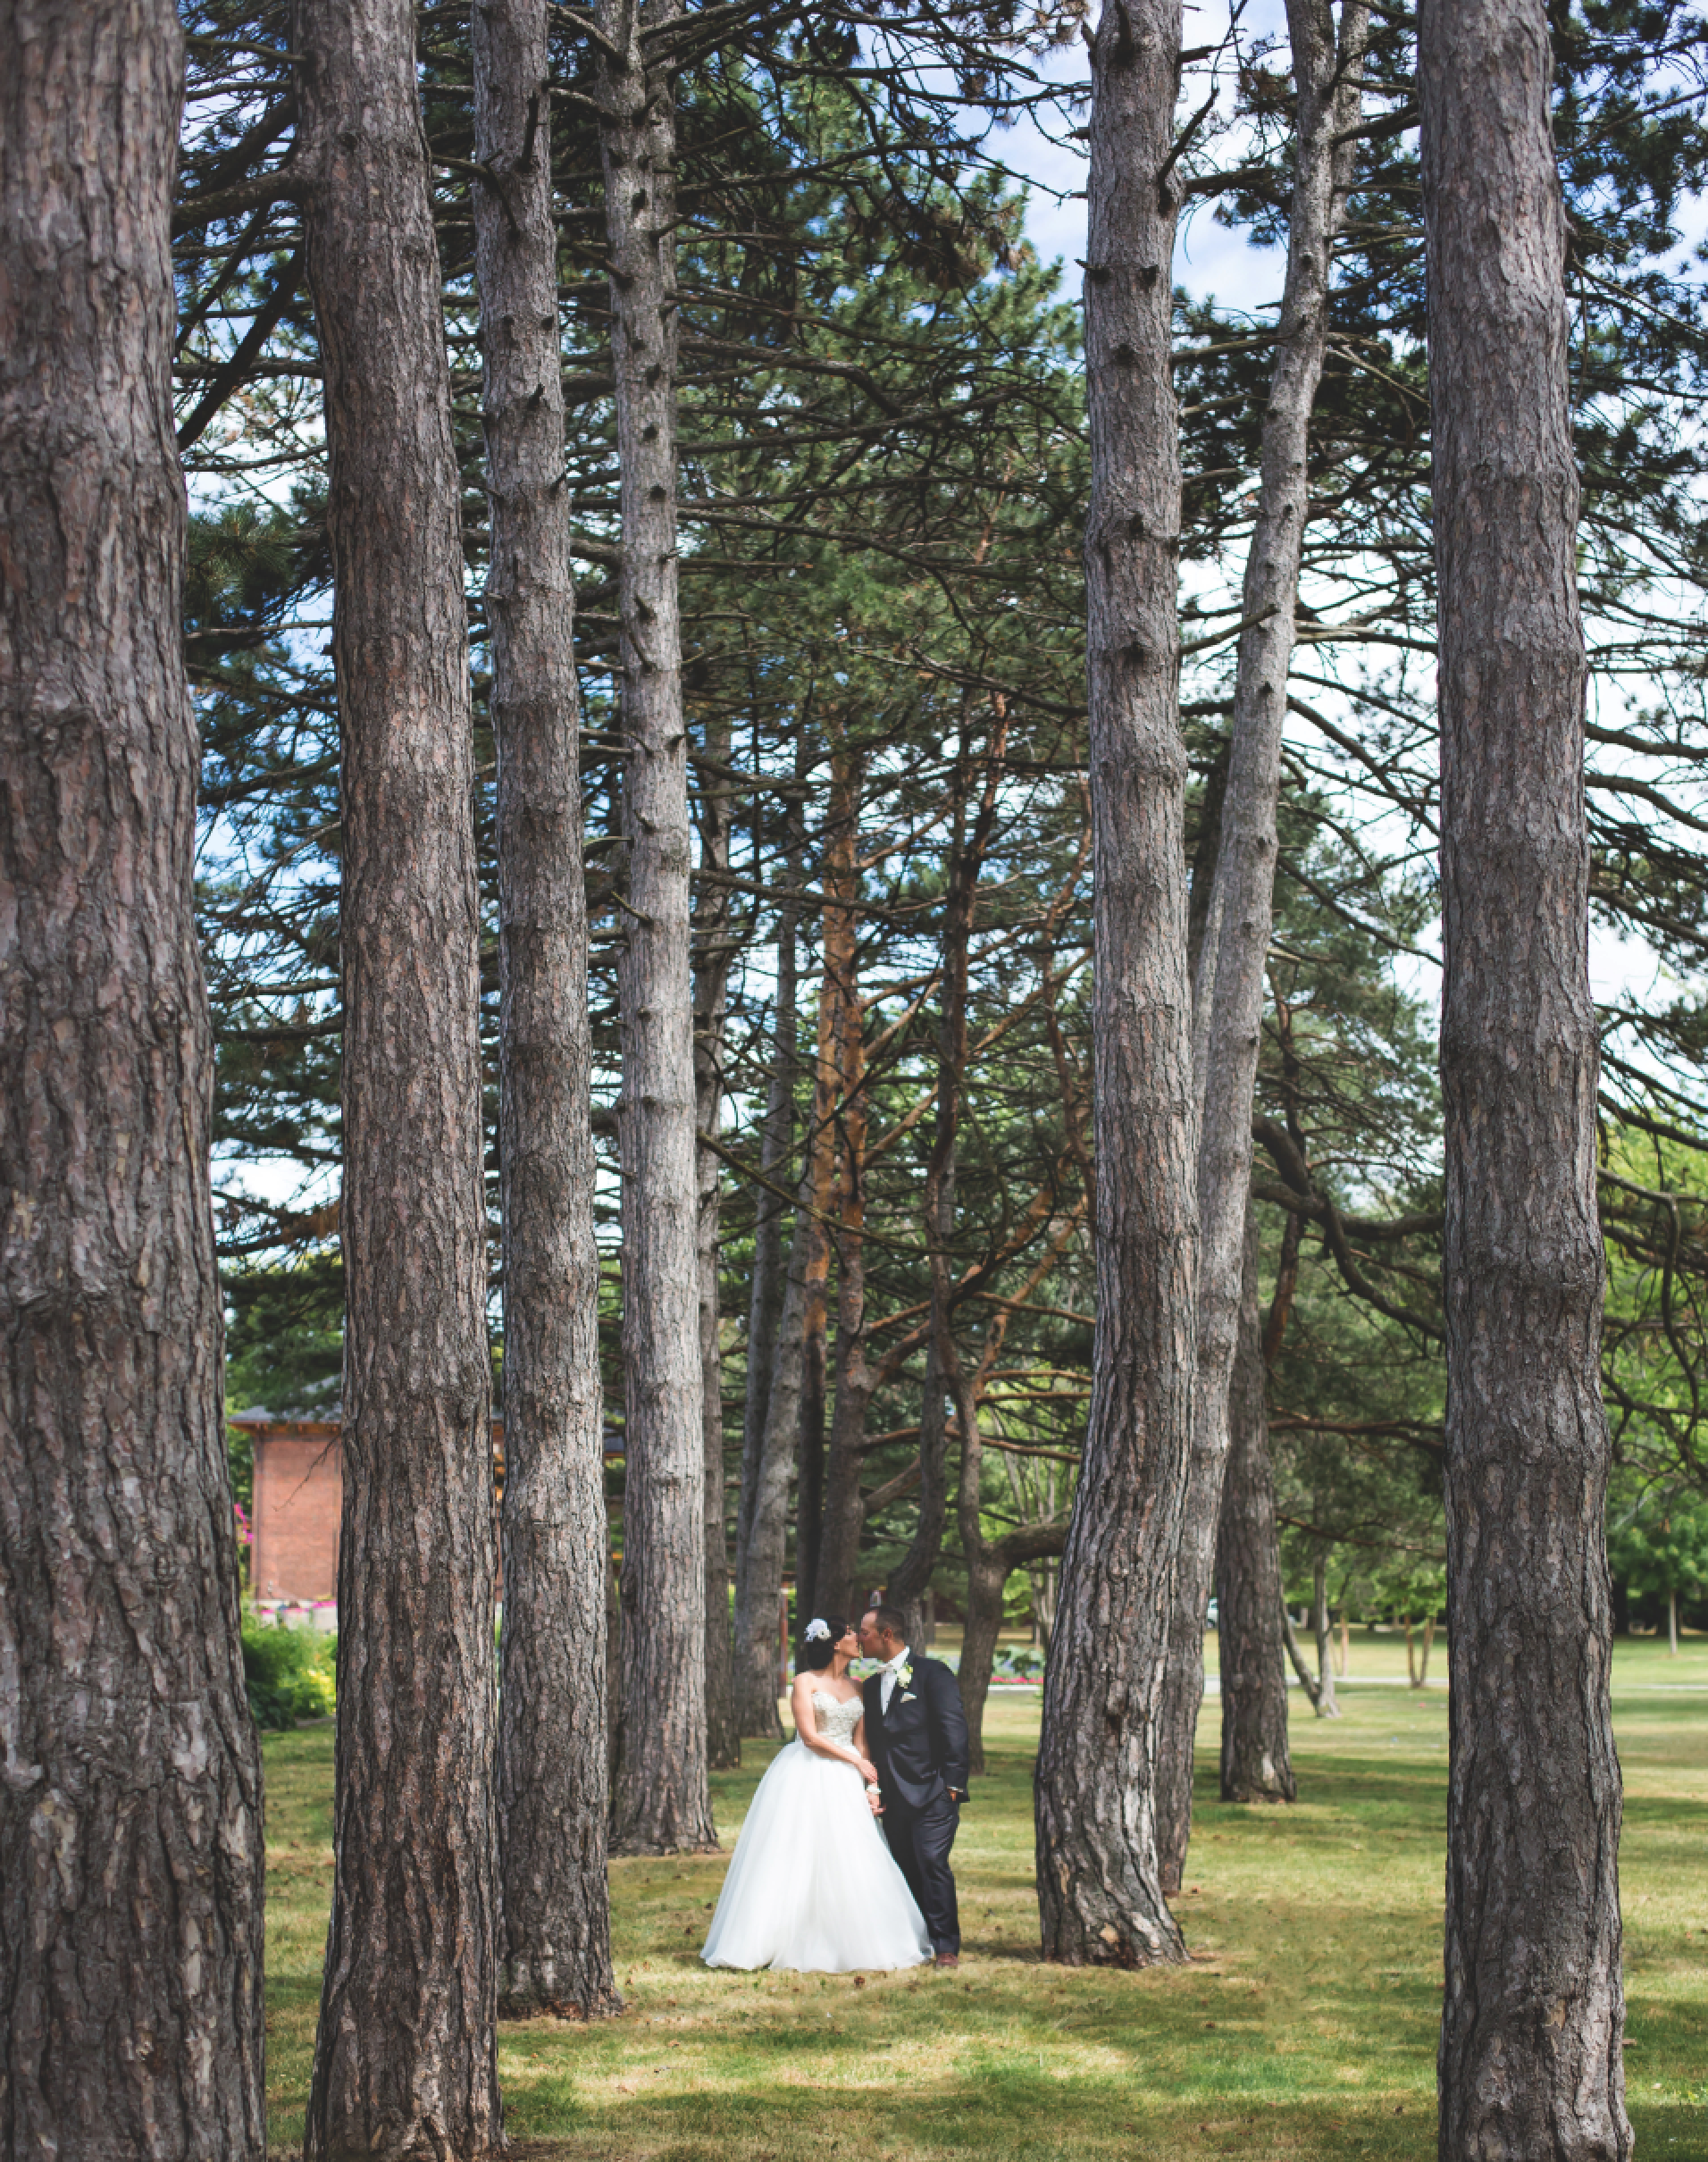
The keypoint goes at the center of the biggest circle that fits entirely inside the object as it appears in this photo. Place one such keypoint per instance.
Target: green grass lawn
(1304, 2027)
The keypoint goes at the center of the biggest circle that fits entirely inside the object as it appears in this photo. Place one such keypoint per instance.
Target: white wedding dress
(812, 1885)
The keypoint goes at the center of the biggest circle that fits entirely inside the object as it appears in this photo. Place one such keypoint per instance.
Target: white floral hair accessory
(815, 1630)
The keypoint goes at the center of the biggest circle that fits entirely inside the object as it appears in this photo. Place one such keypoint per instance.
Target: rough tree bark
(405, 2056)
(1099, 1892)
(710, 1000)
(1256, 1762)
(819, 1183)
(1228, 992)
(663, 1803)
(1532, 2023)
(553, 1781)
(836, 878)
(841, 1078)
(768, 1534)
(774, 1351)
(131, 1849)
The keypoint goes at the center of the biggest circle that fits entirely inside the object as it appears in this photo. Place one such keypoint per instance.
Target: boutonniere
(905, 1677)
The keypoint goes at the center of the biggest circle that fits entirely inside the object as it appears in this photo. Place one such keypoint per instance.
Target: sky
(1210, 260)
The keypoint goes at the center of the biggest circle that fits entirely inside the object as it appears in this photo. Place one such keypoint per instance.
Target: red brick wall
(299, 1500)
(298, 1496)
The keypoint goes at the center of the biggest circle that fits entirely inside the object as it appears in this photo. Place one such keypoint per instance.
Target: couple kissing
(843, 1860)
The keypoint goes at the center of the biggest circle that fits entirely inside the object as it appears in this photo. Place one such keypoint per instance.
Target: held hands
(868, 1771)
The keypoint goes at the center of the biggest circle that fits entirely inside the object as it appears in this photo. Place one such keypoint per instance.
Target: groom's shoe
(947, 1959)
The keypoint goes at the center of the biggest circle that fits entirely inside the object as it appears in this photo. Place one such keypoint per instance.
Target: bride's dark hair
(815, 1652)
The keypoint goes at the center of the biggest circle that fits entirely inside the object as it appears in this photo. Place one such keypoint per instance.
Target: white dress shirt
(889, 1671)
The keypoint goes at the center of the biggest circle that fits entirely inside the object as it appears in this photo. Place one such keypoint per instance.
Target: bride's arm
(868, 1770)
(801, 1703)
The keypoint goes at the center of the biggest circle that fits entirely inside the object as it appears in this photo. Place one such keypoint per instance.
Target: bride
(812, 1885)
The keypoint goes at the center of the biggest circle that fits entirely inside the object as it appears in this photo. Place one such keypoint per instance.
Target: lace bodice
(836, 1721)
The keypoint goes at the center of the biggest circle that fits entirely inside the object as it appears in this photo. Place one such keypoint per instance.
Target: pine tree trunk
(764, 1501)
(761, 1586)
(815, 1330)
(1317, 1687)
(989, 1562)
(405, 2056)
(1099, 1889)
(910, 1579)
(711, 986)
(1256, 1764)
(663, 1801)
(131, 1845)
(843, 1108)
(1672, 1624)
(1534, 2012)
(553, 1780)
(987, 1576)
(1228, 994)
(775, 1350)
(836, 876)
(1327, 1704)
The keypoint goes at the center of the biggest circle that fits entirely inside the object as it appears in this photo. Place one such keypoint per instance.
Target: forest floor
(1305, 2026)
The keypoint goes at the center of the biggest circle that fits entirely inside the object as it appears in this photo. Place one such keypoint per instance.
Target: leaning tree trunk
(711, 986)
(1256, 1764)
(130, 1850)
(775, 1343)
(553, 1783)
(1325, 1702)
(1228, 995)
(406, 2054)
(1099, 1891)
(1318, 1685)
(1532, 2023)
(663, 1803)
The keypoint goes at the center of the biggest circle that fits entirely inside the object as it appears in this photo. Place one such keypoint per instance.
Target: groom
(915, 1734)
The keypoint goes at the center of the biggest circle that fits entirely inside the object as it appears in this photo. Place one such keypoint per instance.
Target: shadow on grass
(1305, 2030)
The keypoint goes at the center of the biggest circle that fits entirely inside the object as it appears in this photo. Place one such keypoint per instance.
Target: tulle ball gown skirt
(812, 1885)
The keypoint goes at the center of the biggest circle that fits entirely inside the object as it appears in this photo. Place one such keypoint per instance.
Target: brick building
(298, 1504)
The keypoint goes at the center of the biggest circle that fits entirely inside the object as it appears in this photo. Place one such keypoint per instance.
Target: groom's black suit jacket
(919, 1746)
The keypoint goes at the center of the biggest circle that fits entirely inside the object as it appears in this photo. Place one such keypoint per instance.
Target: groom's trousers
(920, 1840)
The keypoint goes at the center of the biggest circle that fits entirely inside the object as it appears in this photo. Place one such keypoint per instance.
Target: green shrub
(288, 1673)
